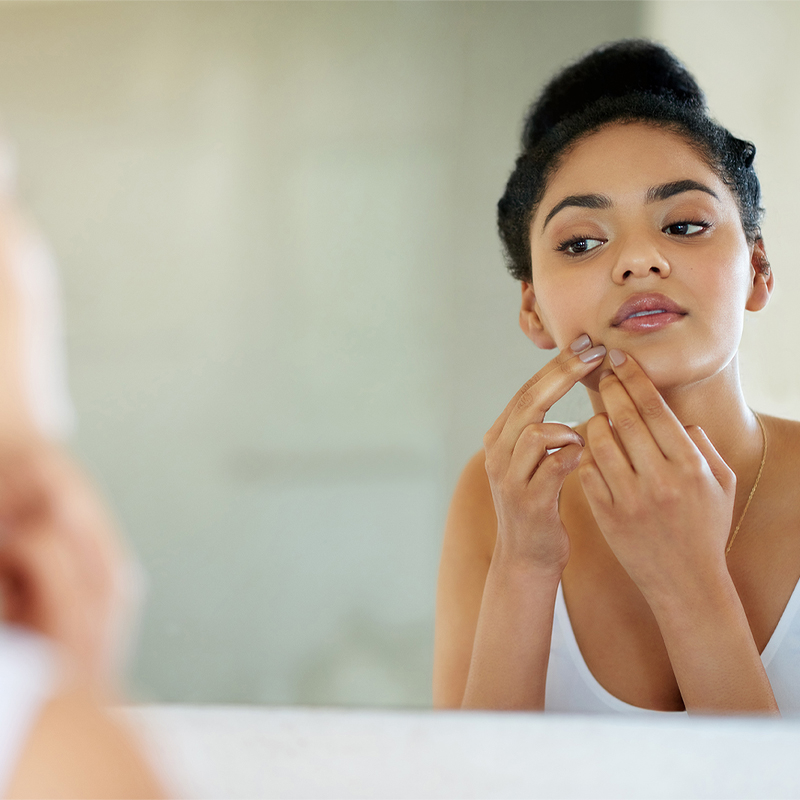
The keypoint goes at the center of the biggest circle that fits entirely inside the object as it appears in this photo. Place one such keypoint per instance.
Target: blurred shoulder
(76, 750)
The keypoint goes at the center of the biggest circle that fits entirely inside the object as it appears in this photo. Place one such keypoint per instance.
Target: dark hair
(633, 80)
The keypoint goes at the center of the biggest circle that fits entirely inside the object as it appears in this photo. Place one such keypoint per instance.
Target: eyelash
(700, 224)
(563, 247)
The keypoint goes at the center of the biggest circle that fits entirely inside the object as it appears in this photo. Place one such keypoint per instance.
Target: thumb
(555, 466)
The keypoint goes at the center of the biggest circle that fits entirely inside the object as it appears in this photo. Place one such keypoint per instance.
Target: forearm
(712, 651)
(512, 641)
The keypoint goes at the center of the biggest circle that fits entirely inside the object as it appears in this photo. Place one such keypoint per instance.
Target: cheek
(568, 309)
(722, 290)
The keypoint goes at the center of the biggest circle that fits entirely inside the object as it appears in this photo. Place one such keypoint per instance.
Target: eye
(686, 228)
(579, 245)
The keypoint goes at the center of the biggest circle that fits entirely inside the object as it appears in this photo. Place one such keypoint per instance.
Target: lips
(648, 308)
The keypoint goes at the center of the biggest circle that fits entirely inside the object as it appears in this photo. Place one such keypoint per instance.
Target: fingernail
(581, 343)
(616, 356)
(593, 354)
(604, 374)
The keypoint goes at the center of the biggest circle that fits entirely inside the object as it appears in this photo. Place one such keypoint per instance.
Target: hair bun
(613, 70)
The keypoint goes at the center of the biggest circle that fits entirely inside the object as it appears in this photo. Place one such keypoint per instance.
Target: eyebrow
(667, 190)
(580, 201)
(654, 194)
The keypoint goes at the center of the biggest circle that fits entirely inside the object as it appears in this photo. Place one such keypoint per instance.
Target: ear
(530, 321)
(763, 279)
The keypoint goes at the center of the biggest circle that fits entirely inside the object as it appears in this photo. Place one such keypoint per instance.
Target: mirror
(288, 320)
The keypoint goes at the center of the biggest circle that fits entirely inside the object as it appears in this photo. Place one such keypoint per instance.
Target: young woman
(647, 559)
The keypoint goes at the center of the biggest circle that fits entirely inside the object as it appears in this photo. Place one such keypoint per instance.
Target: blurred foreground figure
(64, 576)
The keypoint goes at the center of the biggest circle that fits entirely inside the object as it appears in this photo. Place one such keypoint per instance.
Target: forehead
(626, 160)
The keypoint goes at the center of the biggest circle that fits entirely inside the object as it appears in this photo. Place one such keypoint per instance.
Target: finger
(665, 428)
(539, 398)
(612, 463)
(635, 437)
(549, 384)
(555, 467)
(594, 486)
(532, 445)
(723, 474)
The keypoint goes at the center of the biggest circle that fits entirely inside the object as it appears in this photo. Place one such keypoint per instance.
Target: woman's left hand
(661, 494)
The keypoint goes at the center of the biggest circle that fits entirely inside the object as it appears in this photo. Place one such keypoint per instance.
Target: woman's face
(638, 243)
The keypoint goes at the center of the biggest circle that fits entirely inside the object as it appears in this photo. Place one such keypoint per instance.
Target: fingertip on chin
(617, 357)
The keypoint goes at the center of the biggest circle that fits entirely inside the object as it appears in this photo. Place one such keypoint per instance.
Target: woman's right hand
(525, 479)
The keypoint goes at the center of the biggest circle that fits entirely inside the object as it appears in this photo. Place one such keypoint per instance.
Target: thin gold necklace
(755, 485)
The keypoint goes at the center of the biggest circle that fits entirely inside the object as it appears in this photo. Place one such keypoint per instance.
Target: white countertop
(260, 752)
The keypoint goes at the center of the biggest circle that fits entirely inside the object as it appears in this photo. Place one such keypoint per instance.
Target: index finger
(666, 429)
(549, 384)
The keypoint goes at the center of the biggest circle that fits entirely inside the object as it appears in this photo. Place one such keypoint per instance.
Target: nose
(639, 258)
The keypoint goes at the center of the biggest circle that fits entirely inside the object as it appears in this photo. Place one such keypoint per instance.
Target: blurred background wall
(746, 57)
(288, 319)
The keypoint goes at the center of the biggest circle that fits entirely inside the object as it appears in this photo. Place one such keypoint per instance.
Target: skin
(632, 514)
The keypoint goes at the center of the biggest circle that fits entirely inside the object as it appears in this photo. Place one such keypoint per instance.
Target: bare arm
(466, 555)
(493, 621)
(505, 548)
(712, 652)
(512, 640)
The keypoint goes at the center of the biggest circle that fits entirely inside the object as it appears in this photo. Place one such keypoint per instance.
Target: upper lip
(646, 302)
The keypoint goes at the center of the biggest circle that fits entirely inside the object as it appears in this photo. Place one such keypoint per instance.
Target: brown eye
(685, 228)
(579, 246)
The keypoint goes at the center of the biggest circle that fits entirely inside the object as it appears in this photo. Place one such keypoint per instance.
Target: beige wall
(745, 56)
(288, 319)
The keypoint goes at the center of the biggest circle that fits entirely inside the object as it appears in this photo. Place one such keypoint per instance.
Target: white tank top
(571, 687)
(27, 680)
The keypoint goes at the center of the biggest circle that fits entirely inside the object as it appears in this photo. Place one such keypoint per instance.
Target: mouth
(647, 312)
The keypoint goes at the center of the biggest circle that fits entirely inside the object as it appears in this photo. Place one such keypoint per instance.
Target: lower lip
(649, 322)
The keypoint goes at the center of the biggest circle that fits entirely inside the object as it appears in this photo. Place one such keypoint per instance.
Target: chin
(668, 371)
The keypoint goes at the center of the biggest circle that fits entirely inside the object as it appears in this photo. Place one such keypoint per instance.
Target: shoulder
(471, 518)
(783, 442)
(469, 539)
(783, 433)
(778, 503)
